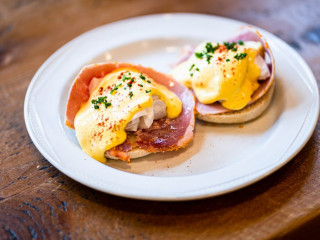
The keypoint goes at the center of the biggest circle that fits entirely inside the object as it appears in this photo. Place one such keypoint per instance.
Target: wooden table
(39, 202)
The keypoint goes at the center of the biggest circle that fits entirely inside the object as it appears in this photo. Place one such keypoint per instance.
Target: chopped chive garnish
(100, 100)
(107, 104)
(229, 45)
(142, 77)
(116, 87)
(240, 56)
(124, 77)
(209, 47)
(208, 58)
(148, 91)
(191, 67)
(199, 55)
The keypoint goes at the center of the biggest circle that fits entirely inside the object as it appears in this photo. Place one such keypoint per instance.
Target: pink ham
(248, 34)
(186, 52)
(178, 132)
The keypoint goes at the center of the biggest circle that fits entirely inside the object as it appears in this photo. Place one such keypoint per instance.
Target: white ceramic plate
(220, 159)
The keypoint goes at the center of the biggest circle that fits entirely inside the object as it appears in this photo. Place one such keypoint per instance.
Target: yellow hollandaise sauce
(222, 72)
(100, 123)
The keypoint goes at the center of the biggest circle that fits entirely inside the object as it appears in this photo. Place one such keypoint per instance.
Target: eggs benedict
(126, 111)
(232, 81)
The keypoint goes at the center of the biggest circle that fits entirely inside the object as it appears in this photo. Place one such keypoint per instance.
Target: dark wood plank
(39, 202)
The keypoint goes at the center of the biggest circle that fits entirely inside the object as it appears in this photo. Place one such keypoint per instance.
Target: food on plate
(124, 111)
(233, 81)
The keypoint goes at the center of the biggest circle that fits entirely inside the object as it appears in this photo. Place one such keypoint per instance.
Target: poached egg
(123, 100)
(227, 72)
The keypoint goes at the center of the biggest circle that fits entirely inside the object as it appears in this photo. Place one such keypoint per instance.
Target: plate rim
(162, 198)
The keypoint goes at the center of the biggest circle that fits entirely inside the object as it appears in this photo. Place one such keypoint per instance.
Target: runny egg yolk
(100, 123)
(220, 72)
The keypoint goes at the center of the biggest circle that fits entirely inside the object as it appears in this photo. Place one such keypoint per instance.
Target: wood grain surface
(39, 202)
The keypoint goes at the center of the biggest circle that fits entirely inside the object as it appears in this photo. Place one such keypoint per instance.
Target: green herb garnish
(240, 42)
(142, 77)
(229, 45)
(107, 104)
(191, 67)
(148, 91)
(100, 100)
(199, 55)
(240, 56)
(209, 49)
(124, 77)
(227, 60)
(130, 94)
(208, 58)
(116, 87)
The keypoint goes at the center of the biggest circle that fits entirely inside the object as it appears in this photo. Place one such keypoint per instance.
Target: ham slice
(250, 34)
(163, 135)
(247, 34)
(186, 52)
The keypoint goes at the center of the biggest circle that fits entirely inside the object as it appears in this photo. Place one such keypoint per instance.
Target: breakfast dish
(124, 111)
(221, 158)
(233, 81)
